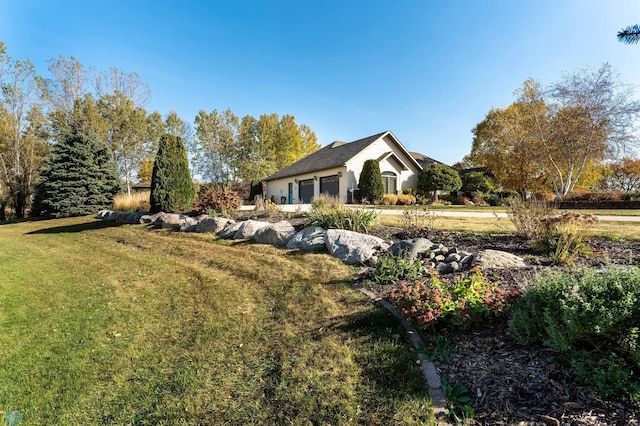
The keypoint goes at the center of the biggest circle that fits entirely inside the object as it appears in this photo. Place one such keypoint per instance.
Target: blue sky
(427, 70)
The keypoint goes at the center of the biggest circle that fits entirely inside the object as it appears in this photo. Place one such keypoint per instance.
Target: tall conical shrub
(370, 183)
(79, 177)
(172, 189)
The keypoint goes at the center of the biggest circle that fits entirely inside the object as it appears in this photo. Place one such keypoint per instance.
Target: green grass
(108, 324)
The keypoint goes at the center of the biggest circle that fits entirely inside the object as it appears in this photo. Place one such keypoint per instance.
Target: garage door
(305, 191)
(330, 185)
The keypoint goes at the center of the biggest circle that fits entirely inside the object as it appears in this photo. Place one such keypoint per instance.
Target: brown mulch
(511, 384)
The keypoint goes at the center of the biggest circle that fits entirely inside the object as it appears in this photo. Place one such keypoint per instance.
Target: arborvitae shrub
(370, 183)
(172, 189)
(79, 177)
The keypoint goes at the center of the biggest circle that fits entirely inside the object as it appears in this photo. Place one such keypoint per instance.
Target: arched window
(389, 180)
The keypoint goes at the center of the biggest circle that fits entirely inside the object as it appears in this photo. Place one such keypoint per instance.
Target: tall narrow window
(389, 182)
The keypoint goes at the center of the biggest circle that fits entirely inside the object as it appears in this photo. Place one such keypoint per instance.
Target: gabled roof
(423, 160)
(335, 154)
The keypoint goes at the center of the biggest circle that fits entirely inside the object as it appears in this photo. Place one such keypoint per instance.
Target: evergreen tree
(79, 177)
(171, 185)
(370, 183)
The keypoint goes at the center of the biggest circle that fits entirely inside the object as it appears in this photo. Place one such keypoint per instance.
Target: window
(389, 180)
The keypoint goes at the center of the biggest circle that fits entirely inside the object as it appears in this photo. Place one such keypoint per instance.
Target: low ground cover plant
(593, 318)
(468, 299)
(329, 213)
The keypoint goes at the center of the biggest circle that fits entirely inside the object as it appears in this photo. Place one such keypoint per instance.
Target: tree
(630, 35)
(560, 135)
(215, 146)
(171, 185)
(126, 133)
(23, 133)
(370, 181)
(438, 177)
(624, 175)
(476, 182)
(79, 177)
(69, 83)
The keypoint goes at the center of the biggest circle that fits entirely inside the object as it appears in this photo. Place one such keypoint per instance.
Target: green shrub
(589, 315)
(391, 269)
(171, 185)
(468, 300)
(370, 181)
(332, 214)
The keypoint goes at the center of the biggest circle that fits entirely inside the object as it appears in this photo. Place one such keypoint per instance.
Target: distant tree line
(77, 105)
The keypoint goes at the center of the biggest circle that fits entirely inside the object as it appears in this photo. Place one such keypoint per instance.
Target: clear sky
(427, 70)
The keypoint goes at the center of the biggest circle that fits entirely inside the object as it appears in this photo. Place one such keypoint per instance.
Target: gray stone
(213, 224)
(170, 220)
(248, 229)
(230, 230)
(309, 239)
(104, 214)
(276, 234)
(129, 217)
(467, 260)
(412, 249)
(354, 248)
(452, 257)
(444, 268)
(189, 224)
(455, 266)
(150, 218)
(496, 259)
(439, 258)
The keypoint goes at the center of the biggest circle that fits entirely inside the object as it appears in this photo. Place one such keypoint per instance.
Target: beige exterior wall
(280, 187)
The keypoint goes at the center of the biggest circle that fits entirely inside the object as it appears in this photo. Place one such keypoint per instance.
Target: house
(335, 170)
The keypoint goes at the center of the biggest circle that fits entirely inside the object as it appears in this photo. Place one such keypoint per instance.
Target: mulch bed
(512, 384)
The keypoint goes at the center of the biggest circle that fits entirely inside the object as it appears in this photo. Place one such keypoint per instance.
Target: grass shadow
(80, 227)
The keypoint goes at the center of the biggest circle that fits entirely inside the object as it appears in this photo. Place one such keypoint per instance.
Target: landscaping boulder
(354, 248)
(171, 220)
(309, 239)
(190, 223)
(128, 217)
(105, 215)
(276, 234)
(411, 249)
(150, 218)
(248, 229)
(230, 230)
(496, 259)
(213, 224)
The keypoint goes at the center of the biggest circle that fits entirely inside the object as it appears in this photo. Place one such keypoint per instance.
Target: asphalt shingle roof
(335, 154)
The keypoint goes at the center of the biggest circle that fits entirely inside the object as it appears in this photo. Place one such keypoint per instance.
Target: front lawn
(104, 324)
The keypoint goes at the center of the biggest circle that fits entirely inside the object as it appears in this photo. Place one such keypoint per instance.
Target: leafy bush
(330, 213)
(391, 269)
(469, 299)
(220, 199)
(438, 177)
(587, 314)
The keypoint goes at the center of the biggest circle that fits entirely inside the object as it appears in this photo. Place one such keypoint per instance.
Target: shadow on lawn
(80, 227)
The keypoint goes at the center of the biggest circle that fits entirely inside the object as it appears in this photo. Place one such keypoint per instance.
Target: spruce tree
(79, 177)
(370, 183)
(171, 185)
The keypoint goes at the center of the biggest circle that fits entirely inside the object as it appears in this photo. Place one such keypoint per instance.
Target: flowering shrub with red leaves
(461, 303)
